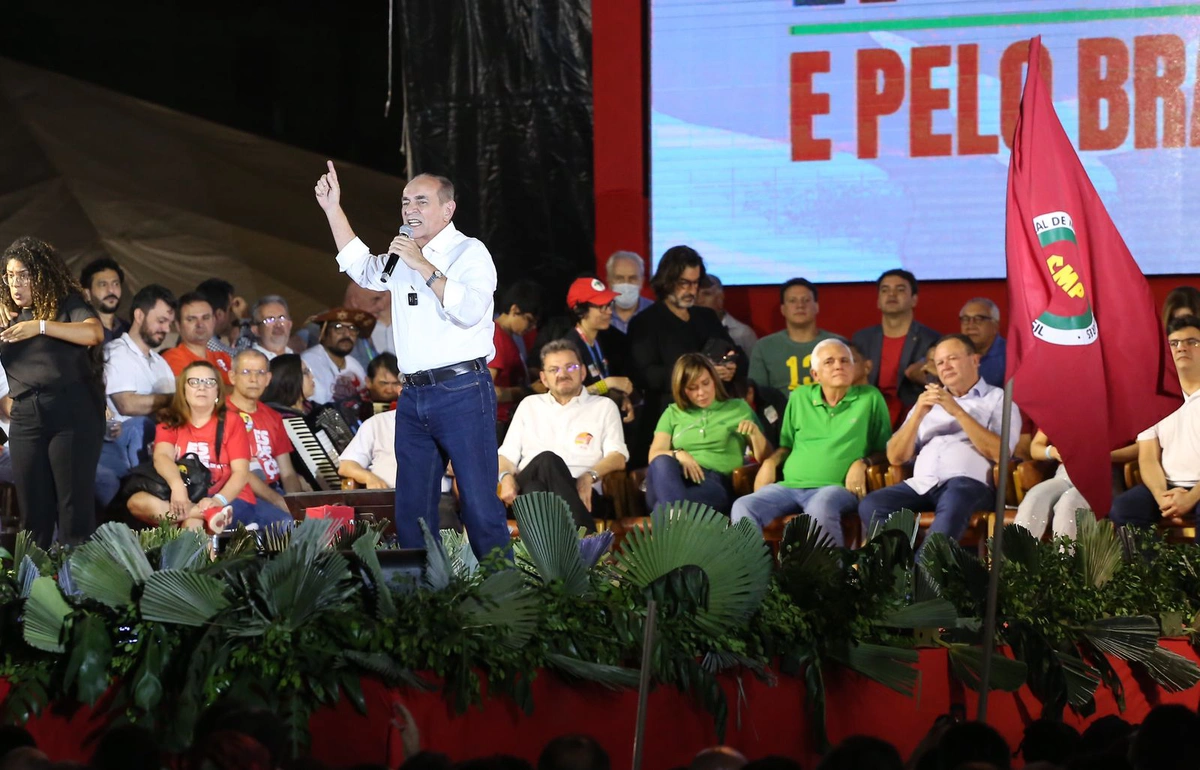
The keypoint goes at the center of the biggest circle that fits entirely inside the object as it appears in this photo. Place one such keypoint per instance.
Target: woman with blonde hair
(701, 439)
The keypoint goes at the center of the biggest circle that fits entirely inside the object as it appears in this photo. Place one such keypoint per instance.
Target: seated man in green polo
(828, 428)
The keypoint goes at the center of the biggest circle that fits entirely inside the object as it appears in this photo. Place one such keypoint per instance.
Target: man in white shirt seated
(138, 380)
(563, 441)
(271, 322)
(1169, 452)
(370, 460)
(337, 375)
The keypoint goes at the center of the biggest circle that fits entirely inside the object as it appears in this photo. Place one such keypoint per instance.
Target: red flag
(1088, 359)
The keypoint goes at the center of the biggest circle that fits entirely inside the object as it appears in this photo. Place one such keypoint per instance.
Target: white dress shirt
(374, 446)
(943, 449)
(582, 432)
(1179, 436)
(432, 333)
(329, 379)
(258, 346)
(128, 370)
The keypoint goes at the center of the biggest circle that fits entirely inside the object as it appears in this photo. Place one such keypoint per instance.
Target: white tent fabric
(173, 198)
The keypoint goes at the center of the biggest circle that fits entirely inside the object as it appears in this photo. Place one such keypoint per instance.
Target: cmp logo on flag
(1068, 320)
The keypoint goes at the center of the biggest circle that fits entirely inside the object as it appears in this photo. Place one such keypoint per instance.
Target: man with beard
(563, 441)
(272, 326)
(337, 375)
(102, 280)
(663, 332)
(138, 380)
(271, 470)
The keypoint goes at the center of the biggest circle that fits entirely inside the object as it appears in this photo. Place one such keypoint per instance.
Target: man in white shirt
(712, 296)
(271, 322)
(337, 376)
(1169, 452)
(563, 441)
(137, 379)
(953, 431)
(441, 292)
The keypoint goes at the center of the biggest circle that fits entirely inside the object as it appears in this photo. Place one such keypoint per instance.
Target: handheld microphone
(407, 232)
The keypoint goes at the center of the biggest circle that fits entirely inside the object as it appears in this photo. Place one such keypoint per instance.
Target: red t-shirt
(268, 439)
(889, 375)
(234, 446)
(180, 356)
(510, 369)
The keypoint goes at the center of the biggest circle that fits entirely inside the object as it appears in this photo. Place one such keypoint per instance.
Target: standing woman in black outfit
(51, 352)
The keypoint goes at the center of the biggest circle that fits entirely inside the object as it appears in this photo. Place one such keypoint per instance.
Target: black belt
(441, 374)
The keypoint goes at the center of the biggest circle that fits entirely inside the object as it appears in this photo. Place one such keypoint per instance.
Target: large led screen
(835, 139)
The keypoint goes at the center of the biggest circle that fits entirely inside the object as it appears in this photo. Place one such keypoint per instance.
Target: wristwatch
(436, 275)
(595, 476)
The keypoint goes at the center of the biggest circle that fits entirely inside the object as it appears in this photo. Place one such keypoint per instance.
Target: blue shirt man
(980, 320)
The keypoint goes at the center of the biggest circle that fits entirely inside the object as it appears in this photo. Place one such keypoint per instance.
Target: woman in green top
(701, 439)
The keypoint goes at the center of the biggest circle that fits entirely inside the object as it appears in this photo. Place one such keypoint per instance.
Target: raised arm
(329, 198)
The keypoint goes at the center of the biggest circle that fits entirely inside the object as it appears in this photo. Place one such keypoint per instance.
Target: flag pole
(989, 619)
(648, 640)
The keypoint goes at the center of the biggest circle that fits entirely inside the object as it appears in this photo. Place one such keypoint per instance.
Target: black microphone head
(406, 231)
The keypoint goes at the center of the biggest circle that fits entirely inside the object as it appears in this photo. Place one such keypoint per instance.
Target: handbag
(196, 475)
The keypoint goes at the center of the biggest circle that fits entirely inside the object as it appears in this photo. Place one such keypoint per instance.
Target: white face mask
(627, 294)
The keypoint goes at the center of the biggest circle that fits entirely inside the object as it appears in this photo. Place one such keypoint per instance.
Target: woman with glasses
(189, 426)
(50, 347)
(701, 439)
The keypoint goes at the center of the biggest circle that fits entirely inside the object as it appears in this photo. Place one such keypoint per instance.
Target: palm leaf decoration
(186, 551)
(689, 534)
(27, 572)
(551, 542)
(892, 667)
(46, 613)
(1173, 672)
(807, 554)
(612, 677)
(457, 545)
(1021, 547)
(364, 551)
(301, 583)
(966, 660)
(932, 613)
(1080, 679)
(1097, 548)
(438, 569)
(381, 665)
(504, 603)
(948, 563)
(903, 521)
(1132, 638)
(25, 546)
(592, 547)
(182, 597)
(107, 567)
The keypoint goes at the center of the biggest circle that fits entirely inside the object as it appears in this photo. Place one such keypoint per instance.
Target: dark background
(496, 95)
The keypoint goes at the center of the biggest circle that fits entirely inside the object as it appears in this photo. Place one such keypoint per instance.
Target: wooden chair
(980, 526)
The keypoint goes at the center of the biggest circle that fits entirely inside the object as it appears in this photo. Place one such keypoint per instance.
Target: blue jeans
(1138, 508)
(665, 483)
(825, 505)
(119, 456)
(451, 421)
(952, 502)
(261, 513)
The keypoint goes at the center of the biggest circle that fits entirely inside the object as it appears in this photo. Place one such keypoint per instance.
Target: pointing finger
(332, 171)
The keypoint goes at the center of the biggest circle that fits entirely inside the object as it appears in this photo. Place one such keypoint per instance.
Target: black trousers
(549, 473)
(55, 442)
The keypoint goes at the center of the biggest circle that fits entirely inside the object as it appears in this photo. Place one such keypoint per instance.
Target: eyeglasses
(253, 372)
(1190, 342)
(684, 283)
(569, 369)
(16, 279)
(306, 372)
(975, 319)
(726, 360)
(339, 327)
(202, 382)
(271, 320)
